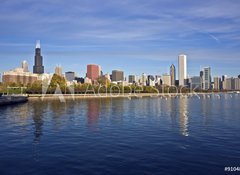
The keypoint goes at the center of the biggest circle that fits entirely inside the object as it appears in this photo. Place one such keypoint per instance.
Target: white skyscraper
(182, 68)
(25, 66)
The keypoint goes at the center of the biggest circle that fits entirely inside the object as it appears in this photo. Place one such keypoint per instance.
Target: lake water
(121, 136)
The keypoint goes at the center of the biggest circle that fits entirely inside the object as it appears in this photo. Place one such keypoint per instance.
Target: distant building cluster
(94, 75)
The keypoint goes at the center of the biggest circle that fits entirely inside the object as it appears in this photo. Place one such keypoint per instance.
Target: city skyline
(180, 74)
(134, 36)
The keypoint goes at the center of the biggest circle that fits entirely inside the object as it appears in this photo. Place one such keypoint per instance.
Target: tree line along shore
(58, 84)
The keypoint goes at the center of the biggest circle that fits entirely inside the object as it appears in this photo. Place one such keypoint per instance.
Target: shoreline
(130, 95)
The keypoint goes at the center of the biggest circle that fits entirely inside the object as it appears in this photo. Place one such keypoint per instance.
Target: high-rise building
(25, 66)
(217, 83)
(173, 74)
(70, 76)
(150, 80)
(224, 77)
(182, 68)
(238, 76)
(201, 78)
(143, 79)
(38, 67)
(158, 80)
(207, 78)
(132, 79)
(224, 82)
(230, 83)
(237, 83)
(117, 75)
(58, 70)
(195, 82)
(166, 79)
(93, 71)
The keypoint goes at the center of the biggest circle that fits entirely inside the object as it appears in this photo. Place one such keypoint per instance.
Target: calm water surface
(121, 136)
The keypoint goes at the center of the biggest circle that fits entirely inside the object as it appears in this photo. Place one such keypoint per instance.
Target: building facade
(150, 80)
(207, 78)
(166, 79)
(19, 76)
(195, 82)
(182, 68)
(117, 75)
(93, 71)
(25, 66)
(143, 79)
(70, 76)
(217, 83)
(131, 79)
(58, 70)
(237, 83)
(230, 83)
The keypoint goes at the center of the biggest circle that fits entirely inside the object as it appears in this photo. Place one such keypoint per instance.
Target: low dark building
(117, 75)
(79, 80)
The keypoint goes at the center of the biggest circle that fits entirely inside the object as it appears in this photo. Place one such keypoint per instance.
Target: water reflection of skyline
(93, 113)
(38, 119)
(116, 108)
(183, 116)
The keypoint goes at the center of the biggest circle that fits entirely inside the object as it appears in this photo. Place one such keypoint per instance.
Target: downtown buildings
(19, 75)
(94, 75)
(22, 75)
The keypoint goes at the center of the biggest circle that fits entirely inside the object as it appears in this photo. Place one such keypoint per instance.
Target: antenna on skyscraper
(38, 44)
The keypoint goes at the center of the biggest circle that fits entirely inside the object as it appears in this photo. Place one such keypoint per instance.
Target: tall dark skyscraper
(173, 74)
(38, 67)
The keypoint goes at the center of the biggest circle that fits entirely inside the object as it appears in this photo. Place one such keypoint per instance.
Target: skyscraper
(230, 83)
(173, 74)
(237, 83)
(58, 70)
(38, 67)
(93, 71)
(143, 79)
(25, 66)
(182, 68)
(207, 78)
(201, 78)
(217, 83)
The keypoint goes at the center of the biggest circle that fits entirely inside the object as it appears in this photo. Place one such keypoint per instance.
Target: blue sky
(132, 35)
